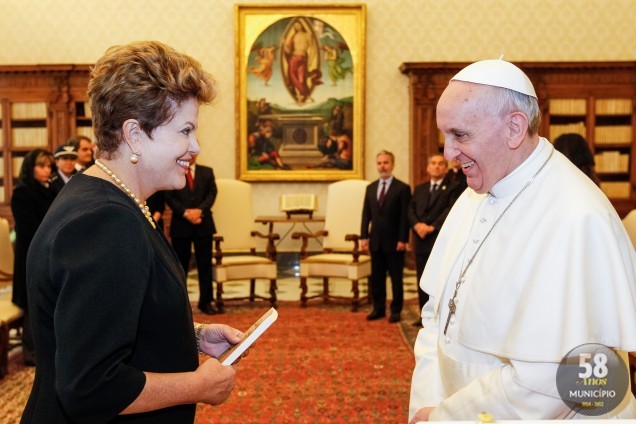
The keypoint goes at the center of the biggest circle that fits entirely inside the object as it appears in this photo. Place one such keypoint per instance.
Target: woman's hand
(217, 338)
(215, 381)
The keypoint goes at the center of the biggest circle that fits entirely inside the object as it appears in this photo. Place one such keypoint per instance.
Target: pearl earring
(134, 159)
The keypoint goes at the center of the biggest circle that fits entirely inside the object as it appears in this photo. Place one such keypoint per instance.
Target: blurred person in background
(576, 148)
(31, 199)
(84, 147)
(65, 160)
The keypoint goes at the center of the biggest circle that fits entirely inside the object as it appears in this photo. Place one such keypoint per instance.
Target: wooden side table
(293, 220)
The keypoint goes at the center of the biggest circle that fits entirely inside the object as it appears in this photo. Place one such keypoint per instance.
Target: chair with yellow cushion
(10, 314)
(6, 251)
(235, 257)
(10, 317)
(629, 222)
(340, 256)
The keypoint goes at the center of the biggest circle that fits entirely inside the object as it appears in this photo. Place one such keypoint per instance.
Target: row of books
(87, 110)
(30, 137)
(38, 137)
(603, 134)
(616, 189)
(16, 164)
(28, 110)
(579, 106)
(612, 161)
(576, 128)
(37, 110)
(616, 134)
(614, 107)
(568, 106)
(86, 132)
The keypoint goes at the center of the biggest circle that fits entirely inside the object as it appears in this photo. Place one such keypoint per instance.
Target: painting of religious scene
(300, 89)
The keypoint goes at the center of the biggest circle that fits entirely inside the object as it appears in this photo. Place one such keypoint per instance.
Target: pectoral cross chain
(452, 303)
(452, 307)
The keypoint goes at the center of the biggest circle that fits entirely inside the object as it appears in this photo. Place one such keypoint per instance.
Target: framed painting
(300, 92)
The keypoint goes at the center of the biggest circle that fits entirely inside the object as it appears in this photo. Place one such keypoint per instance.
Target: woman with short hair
(114, 333)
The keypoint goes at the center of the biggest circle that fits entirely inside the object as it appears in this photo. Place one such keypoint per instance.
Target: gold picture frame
(300, 92)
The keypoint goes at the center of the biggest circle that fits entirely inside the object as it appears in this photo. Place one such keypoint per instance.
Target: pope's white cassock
(557, 271)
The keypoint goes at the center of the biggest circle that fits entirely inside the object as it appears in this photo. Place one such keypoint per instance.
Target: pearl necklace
(142, 205)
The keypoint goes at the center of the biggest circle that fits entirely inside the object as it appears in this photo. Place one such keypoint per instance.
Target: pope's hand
(217, 338)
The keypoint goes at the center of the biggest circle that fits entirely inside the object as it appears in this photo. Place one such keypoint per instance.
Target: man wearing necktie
(192, 223)
(385, 233)
(428, 209)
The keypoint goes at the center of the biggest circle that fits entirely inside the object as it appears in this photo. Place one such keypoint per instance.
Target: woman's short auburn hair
(146, 81)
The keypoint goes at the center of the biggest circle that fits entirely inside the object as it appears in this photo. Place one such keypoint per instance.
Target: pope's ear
(517, 129)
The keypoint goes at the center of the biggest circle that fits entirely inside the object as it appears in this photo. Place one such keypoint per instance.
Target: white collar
(387, 181)
(63, 176)
(514, 181)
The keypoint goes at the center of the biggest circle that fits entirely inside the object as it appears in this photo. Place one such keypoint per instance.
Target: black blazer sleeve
(412, 211)
(388, 223)
(157, 202)
(202, 197)
(454, 191)
(366, 209)
(95, 379)
(175, 201)
(26, 214)
(205, 181)
(405, 200)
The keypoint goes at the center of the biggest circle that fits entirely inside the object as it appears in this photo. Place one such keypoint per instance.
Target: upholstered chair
(630, 225)
(340, 257)
(235, 255)
(6, 251)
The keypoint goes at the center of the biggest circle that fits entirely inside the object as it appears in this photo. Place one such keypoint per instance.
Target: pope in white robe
(552, 268)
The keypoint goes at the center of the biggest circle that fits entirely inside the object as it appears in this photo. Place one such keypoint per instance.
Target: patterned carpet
(320, 364)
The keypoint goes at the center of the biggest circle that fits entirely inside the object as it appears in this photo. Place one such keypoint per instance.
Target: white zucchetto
(497, 73)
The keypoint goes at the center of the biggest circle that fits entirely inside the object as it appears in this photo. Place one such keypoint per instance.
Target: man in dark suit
(192, 223)
(385, 233)
(428, 209)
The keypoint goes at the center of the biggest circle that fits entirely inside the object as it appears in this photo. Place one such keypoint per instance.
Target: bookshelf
(41, 106)
(610, 135)
(612, 143)
(594, 99)
(83, 120)
(2, 155)
(29, 130)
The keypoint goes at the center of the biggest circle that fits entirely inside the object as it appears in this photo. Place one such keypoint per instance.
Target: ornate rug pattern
(320, 364)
